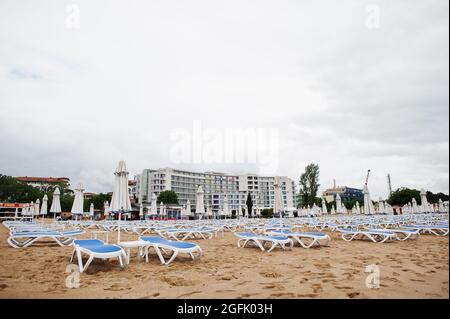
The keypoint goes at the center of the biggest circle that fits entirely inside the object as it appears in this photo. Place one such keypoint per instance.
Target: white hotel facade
(215, 186)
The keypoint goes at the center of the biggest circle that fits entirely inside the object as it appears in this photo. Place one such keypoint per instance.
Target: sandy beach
(412, 269)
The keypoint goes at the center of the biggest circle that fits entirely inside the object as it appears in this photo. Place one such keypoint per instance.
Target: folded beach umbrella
(278, 199)
(424, 207)
(44, 206)
(141, 211)
(188, 208)
(78, 201)
(106, 209)
(324, 207)
(37, 207)
(368, 205)
(31, 209)
(120, 201)
(200, 204)
(56, 203)
(91, 210)
(209, 212)
(154, 205)
(338, 204)
(225, 206)
(161, 210)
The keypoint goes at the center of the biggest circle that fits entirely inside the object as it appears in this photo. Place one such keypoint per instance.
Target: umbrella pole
(118, 229)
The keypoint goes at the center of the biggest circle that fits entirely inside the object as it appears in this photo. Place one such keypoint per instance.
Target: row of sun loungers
(267, 235)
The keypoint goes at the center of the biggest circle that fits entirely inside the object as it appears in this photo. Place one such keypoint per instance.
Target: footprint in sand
(114, 287)
(353, 294)
(317, 288)
(177, 281)
(188, 294)
(306, 295)
(3, 286)
(283, 294)
(303, 280)
(270, 274)
(418, 280)
(342, 287)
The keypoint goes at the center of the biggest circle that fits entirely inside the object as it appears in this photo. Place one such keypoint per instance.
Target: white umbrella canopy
(277, 204)
(333, 211)
(37, 207)
(120, 201)
(441, 208)
(106, 209)
(424, 207)
(338, 204)
(44, 205)
(56, 203)
(154, 205)
(324, 207)
(141, 211)
(368, 205)
(78, 201)
(161, 210)
(183, 212)
(225, 206)
(91, 210)
(209, 212)
(188, 208)
(200, 204)
(24, 211)
(358, 208)
(354, 212)
(31, 209)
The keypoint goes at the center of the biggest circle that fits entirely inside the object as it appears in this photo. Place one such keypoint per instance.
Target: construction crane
(367, 177)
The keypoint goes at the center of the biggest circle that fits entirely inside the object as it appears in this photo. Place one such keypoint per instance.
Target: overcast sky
(341, 86)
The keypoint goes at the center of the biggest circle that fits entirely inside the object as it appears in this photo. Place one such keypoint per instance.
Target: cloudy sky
(350, 85)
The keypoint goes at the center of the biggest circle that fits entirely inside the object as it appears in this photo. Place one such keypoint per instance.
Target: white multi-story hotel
(215, 185)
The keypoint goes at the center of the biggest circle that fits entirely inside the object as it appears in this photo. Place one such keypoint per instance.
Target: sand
(412, 269)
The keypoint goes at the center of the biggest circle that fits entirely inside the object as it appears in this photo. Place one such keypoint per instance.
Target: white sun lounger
(402, 234)
(27, 238)
(186, 233)
(305, 239)
(162, 245)
(261, 240)
(438, 230)
(379, 236)
(96, 248)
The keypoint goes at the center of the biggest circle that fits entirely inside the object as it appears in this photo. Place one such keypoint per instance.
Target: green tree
(267, 213)
(98, 200)
(309, 183)
(249, 204)
(434, 198)
(168, 197)
(403, 196)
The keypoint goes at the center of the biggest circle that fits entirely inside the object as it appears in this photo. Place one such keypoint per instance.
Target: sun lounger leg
(91, 258)
(174, 255)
